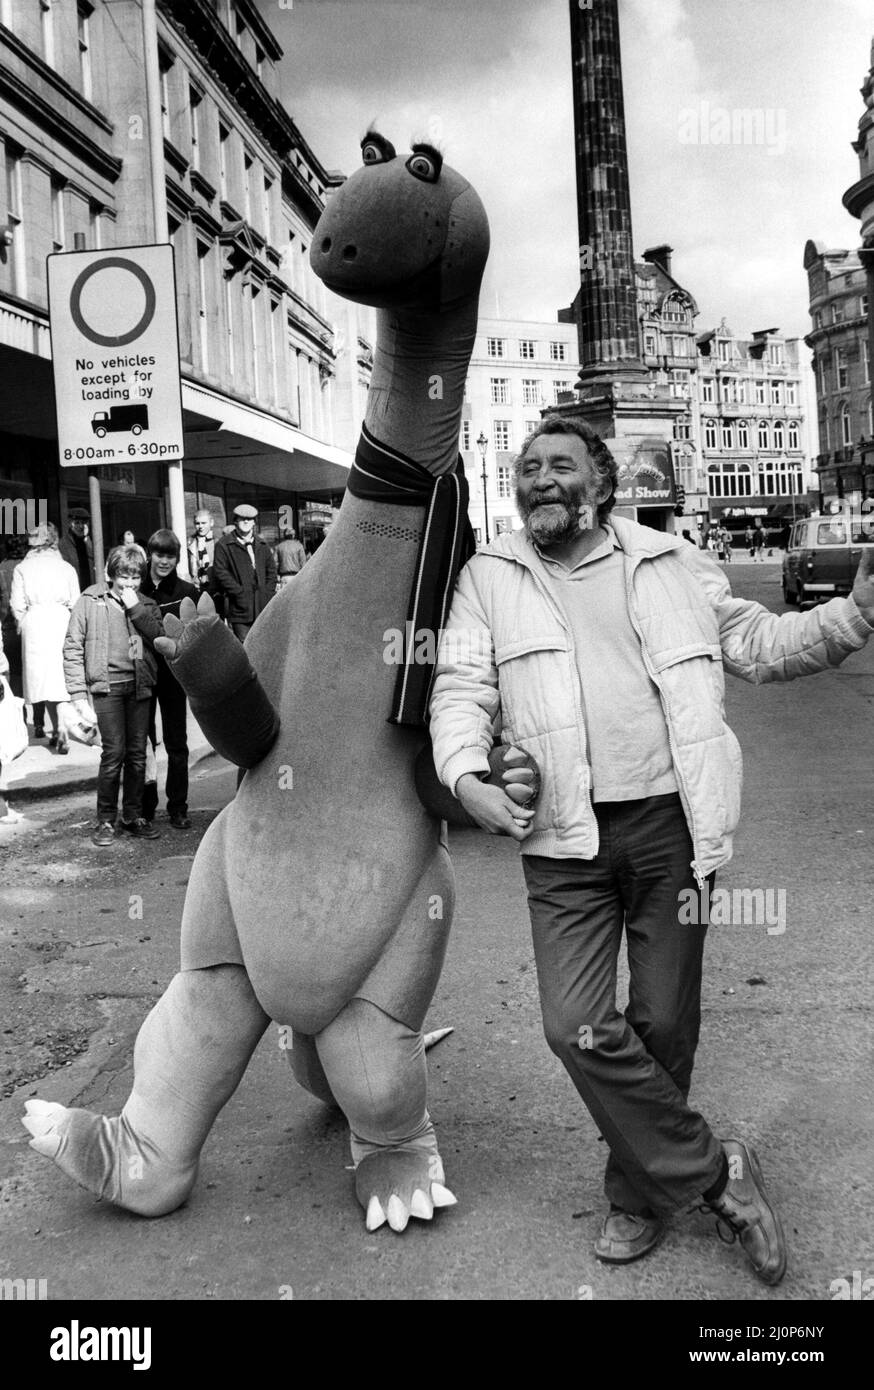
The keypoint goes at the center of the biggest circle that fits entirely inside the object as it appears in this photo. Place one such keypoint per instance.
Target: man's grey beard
(552, 523)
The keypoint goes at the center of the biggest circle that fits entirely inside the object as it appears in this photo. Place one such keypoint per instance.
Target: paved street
(785, 1059)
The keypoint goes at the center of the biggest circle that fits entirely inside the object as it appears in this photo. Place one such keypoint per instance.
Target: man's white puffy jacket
(507, 652)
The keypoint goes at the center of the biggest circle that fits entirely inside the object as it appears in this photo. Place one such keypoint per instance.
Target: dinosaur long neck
(417, 386)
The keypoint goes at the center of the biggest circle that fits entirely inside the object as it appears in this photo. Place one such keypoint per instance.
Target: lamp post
(482, 444)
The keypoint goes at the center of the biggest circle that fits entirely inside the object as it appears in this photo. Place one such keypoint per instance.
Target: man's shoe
(625, 1236)
(140, 828)
(104, 833)
(744, 1211)
(39, 731)
(180, 821)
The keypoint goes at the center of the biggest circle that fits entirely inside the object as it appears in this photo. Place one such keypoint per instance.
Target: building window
(501, 435)
(820, 369)
(503, 525)
(204, 286)
(465, 436)
(500, 390)
(846, 426)
(841, 368)
(866, 362)
(683, 427)
(165, 63)
(58, 228)
(248, 180)
(679, 385)
(817, 319)
(527, 349)
(714, 481)
(775, 354)
(779, 436)
(743, 434)
(793, 435)
(870, 421)
(674, 311)
(94, 225)
(503, 481)
(776, 393)
(837, 313)
(791, 392)
(255, 322)
(723, 350)
(47, 20)
(268, 199)
(224, 138)
(496, 347)
(275, 346)
(530, 427)
(710, 434)
(761, 393)
(83, 21)
(649, 344)
(681, 346)
(194, 102)
(559, 388)
(707, 392)
(764, 434)
(727, 435)
(531, 392)
(557, 352)
(740, 391)
(14, 223)
(229, 323)
(863, 306)
(259, 61)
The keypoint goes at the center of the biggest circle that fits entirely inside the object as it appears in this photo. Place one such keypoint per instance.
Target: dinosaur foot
(108, 1159)
(394, 1184)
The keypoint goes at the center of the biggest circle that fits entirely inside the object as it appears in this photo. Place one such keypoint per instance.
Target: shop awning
(221, 433)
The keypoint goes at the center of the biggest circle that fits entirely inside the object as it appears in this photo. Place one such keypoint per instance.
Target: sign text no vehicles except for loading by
(115, 355)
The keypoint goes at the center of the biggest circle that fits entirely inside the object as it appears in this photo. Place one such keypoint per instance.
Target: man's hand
(863, 588)
(493, 809)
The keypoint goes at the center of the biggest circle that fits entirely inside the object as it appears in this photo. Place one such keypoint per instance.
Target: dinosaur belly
(327, 841)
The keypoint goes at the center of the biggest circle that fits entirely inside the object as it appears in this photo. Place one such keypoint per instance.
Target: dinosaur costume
(321, 896)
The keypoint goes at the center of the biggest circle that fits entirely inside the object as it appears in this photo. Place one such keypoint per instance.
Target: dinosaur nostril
(349, 253)
(326, 245)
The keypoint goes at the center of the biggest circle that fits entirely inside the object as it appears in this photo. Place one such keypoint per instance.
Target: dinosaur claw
(421, 1205)
(398, 1216)
(441, 1196)
(375, 1215)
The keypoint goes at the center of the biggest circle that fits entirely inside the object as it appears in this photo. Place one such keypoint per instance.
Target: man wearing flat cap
(76, 548)
(244, 571)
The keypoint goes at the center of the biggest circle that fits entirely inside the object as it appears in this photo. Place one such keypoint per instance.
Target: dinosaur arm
(227, 698)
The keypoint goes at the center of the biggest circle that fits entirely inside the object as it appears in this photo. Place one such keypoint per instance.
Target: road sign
(115, 355)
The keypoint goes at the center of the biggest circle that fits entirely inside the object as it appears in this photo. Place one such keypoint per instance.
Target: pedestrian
(201, 551)
(76, 548)
(749, 543)
(109, 656)
(601, 656)
(725, 545)
(7, 815)
(164, 585)
(44, 590)
(290, 558)
(15, 551)
(759, 542)
(244, 571)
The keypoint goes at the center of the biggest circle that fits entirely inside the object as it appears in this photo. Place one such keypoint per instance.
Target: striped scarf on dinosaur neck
(380, 474)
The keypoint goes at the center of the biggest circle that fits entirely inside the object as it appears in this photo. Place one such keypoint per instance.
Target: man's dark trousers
(241, 630)
(169, 695)
(123, 721)
(632, 1071)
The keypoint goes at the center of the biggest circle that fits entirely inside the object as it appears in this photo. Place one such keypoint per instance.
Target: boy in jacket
(602, 647)
(163, 584)
(109, 658)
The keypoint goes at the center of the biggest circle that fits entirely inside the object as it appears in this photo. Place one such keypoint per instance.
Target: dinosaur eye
(425, 163)
(375, 149)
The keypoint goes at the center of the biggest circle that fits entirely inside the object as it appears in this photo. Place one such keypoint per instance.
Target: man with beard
(601, 643)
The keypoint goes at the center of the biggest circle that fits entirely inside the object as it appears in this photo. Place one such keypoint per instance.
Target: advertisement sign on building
(115, 356)
(646, 475)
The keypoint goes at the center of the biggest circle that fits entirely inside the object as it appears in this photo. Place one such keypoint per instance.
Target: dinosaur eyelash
(375, 149)
(425, 163)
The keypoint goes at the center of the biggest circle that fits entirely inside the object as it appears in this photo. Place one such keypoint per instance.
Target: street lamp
(482, 444)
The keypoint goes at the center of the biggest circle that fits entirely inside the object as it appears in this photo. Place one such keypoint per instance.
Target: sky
(489, 82)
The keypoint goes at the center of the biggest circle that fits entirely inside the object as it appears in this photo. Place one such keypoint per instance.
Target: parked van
(823, 555)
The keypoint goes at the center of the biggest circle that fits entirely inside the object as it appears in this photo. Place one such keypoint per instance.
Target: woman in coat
(44, 589)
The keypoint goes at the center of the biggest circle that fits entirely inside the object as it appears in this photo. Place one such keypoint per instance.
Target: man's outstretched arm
(226, 696)
(758, 645)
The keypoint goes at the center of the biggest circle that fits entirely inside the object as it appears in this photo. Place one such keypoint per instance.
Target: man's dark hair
(164, 542)
(126, 559)
(603, 460)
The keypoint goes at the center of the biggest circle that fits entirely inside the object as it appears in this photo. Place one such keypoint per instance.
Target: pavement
(89, 940)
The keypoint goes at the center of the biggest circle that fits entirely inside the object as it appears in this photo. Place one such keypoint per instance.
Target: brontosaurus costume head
(402, 233)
